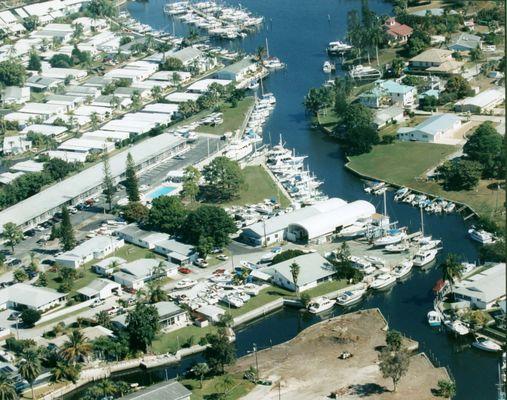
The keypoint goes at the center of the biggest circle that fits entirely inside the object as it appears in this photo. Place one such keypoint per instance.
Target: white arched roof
(327, 222)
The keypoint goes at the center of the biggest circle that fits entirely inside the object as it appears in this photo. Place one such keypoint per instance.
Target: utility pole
(256, 361)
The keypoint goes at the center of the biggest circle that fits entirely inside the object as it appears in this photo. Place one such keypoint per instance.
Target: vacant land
(308, 367)
(404, 164)
(258, 186)
(87, 276)
(173, 341)
(233, 118)
(130, 253)
(215, 386)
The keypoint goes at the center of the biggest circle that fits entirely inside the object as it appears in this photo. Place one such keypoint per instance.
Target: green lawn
(233, 118)
(214, 386)
(326, 287)
(404, 163)
(62, 317)
(130, 253)
(259, 186)
(173, 341)
(88, 276)
(265, 296)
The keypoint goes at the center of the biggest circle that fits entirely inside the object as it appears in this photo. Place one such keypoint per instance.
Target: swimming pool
(160, 191)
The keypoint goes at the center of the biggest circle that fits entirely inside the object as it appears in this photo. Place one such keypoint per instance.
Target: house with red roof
(397, 33)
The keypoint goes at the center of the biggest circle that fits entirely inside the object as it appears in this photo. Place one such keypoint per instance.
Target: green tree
(397, 67)
(494, 252)
(417, 42)
(142, 326)
(135, 211)
(204, 246)
(76, 348)
(476, 54)
(188, 108)
(29, 367)
(460, 175)
(358, 116)
(108, 182)
(12, 235)
(101, 8)
(394, 365)
(78, 32)
(67, 231)
(446, 388)
(452, 269)
(34, 63)
(61, 61)
(486, 147)
(171, 64)
(191, 178)
(30, 316)
(104, 319)
(156, 93)
(63, 371)
(393, 340)
(359, 140)
(136, 100)
(294, 271)
(225, 320)
(131, 183)
(43, 280)
(167, 214)
(20, 275)
(30, 23)
(201, 370)
(7, 388)
(286, 255)
(458, 86)
(157, 294)
(220, 352)
(208, 221)
(223, 179)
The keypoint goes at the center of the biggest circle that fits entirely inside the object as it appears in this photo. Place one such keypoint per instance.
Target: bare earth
(308, 367)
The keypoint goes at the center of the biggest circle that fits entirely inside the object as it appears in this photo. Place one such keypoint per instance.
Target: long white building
(88, 183)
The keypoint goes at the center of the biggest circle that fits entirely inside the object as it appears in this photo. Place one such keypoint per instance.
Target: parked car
(14, 316)
(112, 311)
(184, 270)
(201, 263)
(222, 257)
(98, 302)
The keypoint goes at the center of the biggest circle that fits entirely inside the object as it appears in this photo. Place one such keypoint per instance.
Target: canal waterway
(298, 32)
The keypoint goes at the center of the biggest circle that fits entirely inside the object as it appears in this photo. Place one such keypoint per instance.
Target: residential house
(171, 316)
(437, 61)
(148, 239)
(37, 298)
(435, 129)
(397, 33)
(15, 95)
(483, 102)
(52, 131)
(313, 269)
(135, 274)
(465, 42)
(389, 92)
(16, 144)
(176, 252)
(483, 289)
(107, 266)
(94, 248)
(193, 58)
(100, 289)
(389, 115)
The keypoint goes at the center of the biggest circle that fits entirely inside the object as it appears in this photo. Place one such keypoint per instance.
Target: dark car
(30, 232)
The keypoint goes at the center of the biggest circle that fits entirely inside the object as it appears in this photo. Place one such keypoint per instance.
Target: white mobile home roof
(84, 144)
(148, 116)
(43, 108)
(487, 285)
(69, 156)
(89, 110)
(203, 85)
(484, 99)
(164, 108)
(46, 130)
(62, 73)
(32, 296)
(128, 125)
(63, 191)
(109, 135)
(28, 166)
(19, 117)
(180, 97)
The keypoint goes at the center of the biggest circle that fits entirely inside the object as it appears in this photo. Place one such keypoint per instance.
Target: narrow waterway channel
(298, 32)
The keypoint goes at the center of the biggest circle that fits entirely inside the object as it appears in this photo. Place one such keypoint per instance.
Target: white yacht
(351, 296)
(457, 327)
(251, 289)
(434, 318)
(273, 63)
(483, 343)
(362, 265)
(400, 193)
(397, 248)
(480, 236)
(320, 304)
(361, 72)
(354, 230)
(233, 300)
(403, 269)
(239, 149)
(393, 236)
(185, 284)
(383, 281)
(424, 257)
(328, 67)
(338, 47)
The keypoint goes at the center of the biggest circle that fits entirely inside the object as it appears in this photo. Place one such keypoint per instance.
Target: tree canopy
(220, 351)
(223, 179)
(486, 147)
(167, 214)
(142, 326)
(12, 73)
(460, 175)
(208, 221)
(171, 64)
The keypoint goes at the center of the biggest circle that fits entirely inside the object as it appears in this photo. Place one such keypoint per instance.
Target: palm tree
(76, 348)
(294, 270)
(157, 294)
(260, 53)
(106, 387)
(201, 369)
(7, 389)
(225, 384)
(29, 367)
(451, 269)
(62, 371)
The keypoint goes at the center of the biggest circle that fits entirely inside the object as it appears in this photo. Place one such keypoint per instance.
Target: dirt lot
(308, 367)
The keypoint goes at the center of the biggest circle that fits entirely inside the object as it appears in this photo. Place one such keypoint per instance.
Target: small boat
(457, 327)
(185, 284)
(328, 67)
(430, 244)
(434, 318)
(400, 193)
(397, 248)
(402, 270)
(254, 85)
(424, 257)
(480, 236)
(338, 47)
(362, 72)
(383, 281)
(483, 343)
(252, 289)
(233, 301)
(351, 296)
(354, 230)
(320, 304)
(393, 236)
(363, 265)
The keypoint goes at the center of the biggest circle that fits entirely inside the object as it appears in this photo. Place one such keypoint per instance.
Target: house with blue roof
(388, 93)
(465, 42)
(435, 129)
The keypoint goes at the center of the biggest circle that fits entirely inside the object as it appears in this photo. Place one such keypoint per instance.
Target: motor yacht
(328, 67)
(338, 47)
(351, 297)
(486, 344)
(403, 269)
(185, 284)
(233, 301)
(362, 265)
(320, 304)
(354, 230)
(383, 281)
(434, 318)
(397, 248)
(457, 327)
(480, 236)
(424, 257)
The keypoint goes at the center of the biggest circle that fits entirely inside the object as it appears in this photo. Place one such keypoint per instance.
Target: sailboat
(272, 62)
(392, 236)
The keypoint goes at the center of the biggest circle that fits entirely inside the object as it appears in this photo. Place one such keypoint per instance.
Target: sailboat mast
(267, 48)
(385, 205)
(422, 220)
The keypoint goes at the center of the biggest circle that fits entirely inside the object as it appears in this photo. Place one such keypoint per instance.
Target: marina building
(88, 183)
(435, 129)
(298, 226)
(238, 71)
(482, 102)
(313, 269)
(94, 248)
(484, 289)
